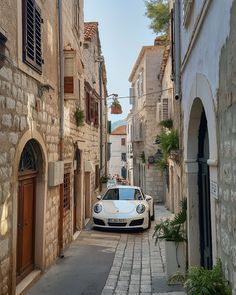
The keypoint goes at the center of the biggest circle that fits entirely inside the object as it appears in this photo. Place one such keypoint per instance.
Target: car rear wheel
(153, 214)
(149, 221)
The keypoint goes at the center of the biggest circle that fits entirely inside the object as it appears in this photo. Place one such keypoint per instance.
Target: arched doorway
(26, 204)
(204, 194)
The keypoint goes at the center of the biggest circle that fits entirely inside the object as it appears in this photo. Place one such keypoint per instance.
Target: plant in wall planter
(79, 117)
(173, 233)
(116, 107)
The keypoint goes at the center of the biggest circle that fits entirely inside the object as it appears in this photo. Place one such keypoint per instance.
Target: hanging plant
(166, 123)
(79, 117)
(116, 107)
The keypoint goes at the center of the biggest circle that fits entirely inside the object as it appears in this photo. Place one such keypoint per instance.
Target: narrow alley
(110, 262)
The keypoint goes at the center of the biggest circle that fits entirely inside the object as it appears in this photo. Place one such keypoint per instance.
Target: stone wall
(226, 208)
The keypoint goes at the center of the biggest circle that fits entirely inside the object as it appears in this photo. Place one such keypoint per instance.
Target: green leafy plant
(142, 156)
(168, 141)
(201, 281)
(103, 179)
(79, 117)
(172, 230)
(158, 12)
(166, 123)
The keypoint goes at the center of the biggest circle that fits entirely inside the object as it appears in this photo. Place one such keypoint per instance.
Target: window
(32, 39)
(97, 176)
(123, 157)
(71, 75)
(122, 141)
(76, 17)
(66, 198)
(92, 105)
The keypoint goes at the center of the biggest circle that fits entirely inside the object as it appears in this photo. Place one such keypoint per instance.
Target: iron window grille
(67, 189)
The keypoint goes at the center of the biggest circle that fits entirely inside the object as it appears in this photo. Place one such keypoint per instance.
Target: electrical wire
(145, 94)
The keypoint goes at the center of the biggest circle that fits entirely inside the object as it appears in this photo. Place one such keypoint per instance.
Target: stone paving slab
(139, 264)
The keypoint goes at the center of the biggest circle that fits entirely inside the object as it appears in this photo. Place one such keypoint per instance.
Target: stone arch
(199, 100)
(41, 192)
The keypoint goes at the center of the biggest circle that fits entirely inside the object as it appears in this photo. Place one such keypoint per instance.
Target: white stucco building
(118, 160)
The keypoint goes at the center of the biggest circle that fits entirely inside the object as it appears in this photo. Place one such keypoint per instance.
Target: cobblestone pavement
(139, 265)
(110, 263)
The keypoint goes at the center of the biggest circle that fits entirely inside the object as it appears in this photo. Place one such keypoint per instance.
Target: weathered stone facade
(226, 209)
(30, 117)
(146, 92)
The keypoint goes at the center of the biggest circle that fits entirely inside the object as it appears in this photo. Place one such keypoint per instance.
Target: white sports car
(123, 207)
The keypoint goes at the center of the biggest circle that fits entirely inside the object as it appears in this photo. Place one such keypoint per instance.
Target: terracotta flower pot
(116, 109)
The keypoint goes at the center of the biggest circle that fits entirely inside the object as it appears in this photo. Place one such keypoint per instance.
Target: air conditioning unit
(55, 173)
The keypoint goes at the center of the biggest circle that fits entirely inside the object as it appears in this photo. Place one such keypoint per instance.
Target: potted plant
(207, 281)
(79, 117)
(173, 233)
(116, 107)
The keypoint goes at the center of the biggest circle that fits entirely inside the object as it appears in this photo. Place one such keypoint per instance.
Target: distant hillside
(116, 124)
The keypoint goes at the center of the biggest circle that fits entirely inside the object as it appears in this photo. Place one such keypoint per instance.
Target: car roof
(125, 186)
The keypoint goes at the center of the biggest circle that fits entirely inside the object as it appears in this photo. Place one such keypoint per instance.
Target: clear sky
(123, 30)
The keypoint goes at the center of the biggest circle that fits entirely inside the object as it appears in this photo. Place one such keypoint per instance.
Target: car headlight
(140, 208)
(97, 208)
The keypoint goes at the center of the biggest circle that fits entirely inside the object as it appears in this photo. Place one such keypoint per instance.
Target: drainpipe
(101, 118)
(61, 110)
(177, 49)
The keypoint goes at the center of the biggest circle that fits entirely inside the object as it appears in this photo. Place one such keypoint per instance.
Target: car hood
(119, 206)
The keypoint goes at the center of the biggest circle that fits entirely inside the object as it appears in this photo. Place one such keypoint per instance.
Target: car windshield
(123, 194)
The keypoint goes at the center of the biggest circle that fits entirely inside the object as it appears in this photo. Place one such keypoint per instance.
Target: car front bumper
(120, 222)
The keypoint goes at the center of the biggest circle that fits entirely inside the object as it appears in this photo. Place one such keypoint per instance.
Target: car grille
(117, 223)
(98, 221)
(136, 222)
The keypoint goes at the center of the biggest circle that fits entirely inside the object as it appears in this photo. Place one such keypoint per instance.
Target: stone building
(145, 92)
(95, 134)
(47, 167)
(207, 42)
(118, 159)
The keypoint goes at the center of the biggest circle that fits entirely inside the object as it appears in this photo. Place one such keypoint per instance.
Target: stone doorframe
(41, 193)
(200, 97)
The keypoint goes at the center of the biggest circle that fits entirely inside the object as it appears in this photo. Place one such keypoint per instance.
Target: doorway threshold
(27, 281)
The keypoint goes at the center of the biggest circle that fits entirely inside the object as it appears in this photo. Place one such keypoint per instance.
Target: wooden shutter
(38, 38)
(32, 39)
(68, 84)
(165, 109)
(92, 109)
(96, 117)
(69, 60)
(87, 107)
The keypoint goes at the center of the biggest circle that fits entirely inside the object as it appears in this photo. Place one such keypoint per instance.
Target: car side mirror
(148, 198)
(99, 197)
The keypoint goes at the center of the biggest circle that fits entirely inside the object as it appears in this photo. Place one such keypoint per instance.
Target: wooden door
(25, 225)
